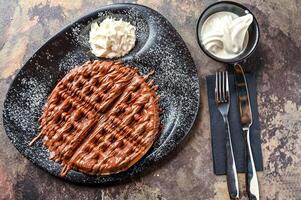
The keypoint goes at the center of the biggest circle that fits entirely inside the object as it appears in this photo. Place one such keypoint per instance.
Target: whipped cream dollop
(112, 38)
(225, 34)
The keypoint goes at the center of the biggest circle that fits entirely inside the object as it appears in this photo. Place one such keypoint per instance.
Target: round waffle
(100, 119)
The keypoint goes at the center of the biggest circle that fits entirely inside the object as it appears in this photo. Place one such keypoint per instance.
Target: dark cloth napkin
(218, 131)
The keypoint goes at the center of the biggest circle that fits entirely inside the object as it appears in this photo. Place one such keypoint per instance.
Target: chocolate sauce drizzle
(100, 119)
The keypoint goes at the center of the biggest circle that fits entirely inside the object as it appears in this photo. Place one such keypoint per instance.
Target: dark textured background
(187, 173)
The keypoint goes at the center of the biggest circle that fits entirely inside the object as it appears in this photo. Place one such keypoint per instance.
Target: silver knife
(246, 122)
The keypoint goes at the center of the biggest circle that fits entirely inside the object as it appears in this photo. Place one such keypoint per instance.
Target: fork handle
(232, 180)
(251, 176)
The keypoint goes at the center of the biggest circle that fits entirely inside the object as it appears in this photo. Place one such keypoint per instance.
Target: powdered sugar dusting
(30, 99)
(71, 60)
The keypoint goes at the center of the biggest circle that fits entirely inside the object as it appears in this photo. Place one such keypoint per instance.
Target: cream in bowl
(225, 34)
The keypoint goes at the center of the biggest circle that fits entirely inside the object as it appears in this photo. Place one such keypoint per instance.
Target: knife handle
(232, 179)
(251, 176)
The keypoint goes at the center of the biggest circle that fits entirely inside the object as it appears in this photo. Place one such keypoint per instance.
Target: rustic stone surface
(187, 173)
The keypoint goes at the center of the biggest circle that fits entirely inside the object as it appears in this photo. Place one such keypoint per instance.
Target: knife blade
(246, 122)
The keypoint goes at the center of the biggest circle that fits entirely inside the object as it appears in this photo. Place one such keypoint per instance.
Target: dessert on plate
(101, 118)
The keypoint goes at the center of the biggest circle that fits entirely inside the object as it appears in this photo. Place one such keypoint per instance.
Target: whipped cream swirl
(225, 34)
(112, 38)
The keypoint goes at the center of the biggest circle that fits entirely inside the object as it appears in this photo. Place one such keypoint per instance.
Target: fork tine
(227, 86)
(223, 86)
(216, 86)
(220, 86)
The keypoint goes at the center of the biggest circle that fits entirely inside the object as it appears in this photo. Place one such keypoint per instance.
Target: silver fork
(222, 100)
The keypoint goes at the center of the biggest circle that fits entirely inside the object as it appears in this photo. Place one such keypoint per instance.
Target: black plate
(158, 47)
